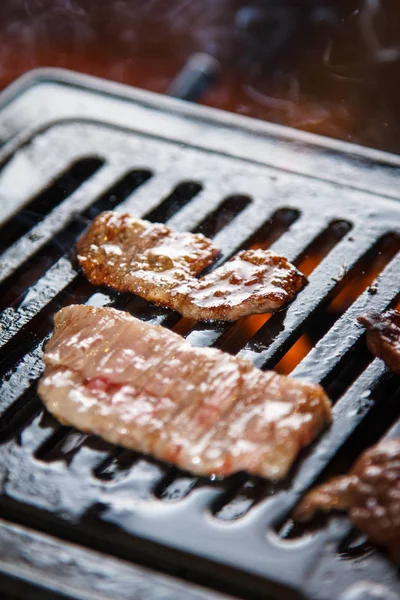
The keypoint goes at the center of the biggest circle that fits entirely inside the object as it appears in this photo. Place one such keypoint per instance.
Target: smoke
(305, 63)
(365, 43)
(247, 34)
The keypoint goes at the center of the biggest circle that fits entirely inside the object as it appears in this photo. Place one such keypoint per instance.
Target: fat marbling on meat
(146, 388)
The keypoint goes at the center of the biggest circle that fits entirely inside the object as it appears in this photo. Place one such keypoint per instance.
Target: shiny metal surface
(168, 161)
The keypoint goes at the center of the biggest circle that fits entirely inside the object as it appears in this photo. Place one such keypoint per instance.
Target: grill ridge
(21, 250)
(322, 282)
(61, 187)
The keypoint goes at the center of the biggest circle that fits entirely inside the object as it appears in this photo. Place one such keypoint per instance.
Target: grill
(79, 146)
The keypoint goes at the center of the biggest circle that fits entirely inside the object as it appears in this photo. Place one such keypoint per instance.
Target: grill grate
(61, 480)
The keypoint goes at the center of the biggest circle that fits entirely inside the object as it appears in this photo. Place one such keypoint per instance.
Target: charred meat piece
(147, 259)
(161, 265)
(370, 492)
(383, 336)
(253, 281)
(146, 388)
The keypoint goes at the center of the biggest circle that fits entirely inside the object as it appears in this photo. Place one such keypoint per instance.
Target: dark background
(330, 67)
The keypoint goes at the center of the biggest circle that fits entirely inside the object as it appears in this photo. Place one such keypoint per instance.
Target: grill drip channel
(60, 480)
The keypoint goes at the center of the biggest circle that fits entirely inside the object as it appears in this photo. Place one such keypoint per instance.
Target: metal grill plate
(82, 488)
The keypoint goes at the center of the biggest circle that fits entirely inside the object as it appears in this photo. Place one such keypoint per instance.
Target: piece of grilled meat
(161, 265)
(148, 259)
(146, 388)
(383, 336)
(370, 492)
(253, 281)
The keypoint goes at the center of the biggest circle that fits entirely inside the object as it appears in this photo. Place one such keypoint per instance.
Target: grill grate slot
(116, 465)
(251, 491)
(37, 430)
(225, 212)
(179, 197)
(139, 477)
(354, 545)
(51, 442)
(67, 447)
(87, 455)
(118, 192)
(321, 246)
(270, 231)
(352, 366)
(175, 487)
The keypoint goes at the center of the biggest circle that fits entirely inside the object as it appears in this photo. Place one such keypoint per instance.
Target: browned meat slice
(383, 336)
(253, 281)
(145, 387)
(370, 492)
(161, 265)
(148, 259)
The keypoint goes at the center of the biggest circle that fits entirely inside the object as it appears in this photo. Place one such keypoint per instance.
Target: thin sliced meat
(370, 492)
(219, 383)
(161, 265)
(100, 365)
(253, 281)
(148, 259)
(101, 351)
(273, 419)
(146, 388)
(383, 336)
